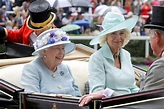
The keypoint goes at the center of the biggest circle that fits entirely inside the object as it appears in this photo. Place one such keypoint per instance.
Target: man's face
(153, 41)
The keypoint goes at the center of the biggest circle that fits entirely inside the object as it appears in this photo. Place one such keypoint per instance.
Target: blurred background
(82, 20)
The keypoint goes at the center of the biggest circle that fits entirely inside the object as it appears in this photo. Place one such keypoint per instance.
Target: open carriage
(12, 95)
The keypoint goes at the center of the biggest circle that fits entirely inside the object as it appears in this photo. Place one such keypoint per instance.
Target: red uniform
(21, 35)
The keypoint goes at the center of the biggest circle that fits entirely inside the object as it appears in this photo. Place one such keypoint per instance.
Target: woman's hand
(95, 95)
(61, 95)
(87, 98)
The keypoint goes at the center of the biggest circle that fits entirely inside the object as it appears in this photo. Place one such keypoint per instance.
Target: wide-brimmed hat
(40, 15)
(113, 22)
(157, 21)
(51, 38)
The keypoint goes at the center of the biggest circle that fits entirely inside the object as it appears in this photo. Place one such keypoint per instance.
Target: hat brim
(69, 47)
(152, 26)
(127, 24)
(29, 25)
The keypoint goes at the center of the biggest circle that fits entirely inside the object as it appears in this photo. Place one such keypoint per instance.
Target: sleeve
(30, 78)
(15, 35)
(134, 88)
(77, 92)
(96, 74)
(154, 78)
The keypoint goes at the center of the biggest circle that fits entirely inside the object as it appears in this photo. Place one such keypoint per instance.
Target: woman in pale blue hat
(47, 74)
(110, 69)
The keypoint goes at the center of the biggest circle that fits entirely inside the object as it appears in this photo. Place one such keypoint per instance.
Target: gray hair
(161, 32)
(102, 40)
(42, 53)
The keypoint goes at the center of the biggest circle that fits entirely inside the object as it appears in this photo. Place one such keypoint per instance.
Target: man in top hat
(40, 19)
(154, 78)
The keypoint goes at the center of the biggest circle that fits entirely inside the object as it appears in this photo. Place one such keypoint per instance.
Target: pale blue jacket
(104, 74)
(36, 77)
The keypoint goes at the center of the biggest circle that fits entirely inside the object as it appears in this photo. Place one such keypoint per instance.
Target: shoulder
(33, 64)
(158, 65)
(97, 55)
(125, 52)
(64, 66)
(156, 70)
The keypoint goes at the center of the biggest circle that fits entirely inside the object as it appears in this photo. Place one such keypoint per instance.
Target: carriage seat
(79, 70)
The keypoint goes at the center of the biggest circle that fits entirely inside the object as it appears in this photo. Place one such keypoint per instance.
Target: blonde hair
(102, 39)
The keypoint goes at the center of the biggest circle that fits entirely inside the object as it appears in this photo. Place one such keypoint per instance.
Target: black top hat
(157, 18)
(40, 15)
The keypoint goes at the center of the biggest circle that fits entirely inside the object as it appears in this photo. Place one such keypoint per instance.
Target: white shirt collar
(163, 54)
(33, 37)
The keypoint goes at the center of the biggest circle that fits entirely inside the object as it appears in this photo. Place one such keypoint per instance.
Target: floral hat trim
(51, 38)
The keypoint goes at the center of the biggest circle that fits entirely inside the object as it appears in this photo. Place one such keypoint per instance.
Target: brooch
(61, 73)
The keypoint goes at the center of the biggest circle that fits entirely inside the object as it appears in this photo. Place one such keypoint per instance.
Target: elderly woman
(47, 74)
(110, 69)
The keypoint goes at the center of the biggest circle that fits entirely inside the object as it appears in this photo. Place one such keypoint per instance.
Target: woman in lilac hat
(110, 69)
(47, 73)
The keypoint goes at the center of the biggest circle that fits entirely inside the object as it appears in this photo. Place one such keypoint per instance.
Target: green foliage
(2, 48)
(138, 60)
(145, 61)
(136, 48)
(85, 42)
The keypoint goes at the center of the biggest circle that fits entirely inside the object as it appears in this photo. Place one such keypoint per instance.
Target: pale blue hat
(51, 38)
(113, 22)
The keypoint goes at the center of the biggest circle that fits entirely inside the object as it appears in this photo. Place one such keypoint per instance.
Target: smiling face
(54, 55)
(115, 40)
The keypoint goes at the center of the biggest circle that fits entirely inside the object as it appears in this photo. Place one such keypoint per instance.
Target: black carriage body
(16, 50)
(18, 99)
(9, 95)
(153, 99)
(42, 101)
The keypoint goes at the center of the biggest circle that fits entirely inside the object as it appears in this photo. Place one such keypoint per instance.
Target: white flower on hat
(45, 39)
(51, 38)
(60, 34)
(38, 44)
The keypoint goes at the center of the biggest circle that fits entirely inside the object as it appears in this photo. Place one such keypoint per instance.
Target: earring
(106, 38)
(44, 56)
